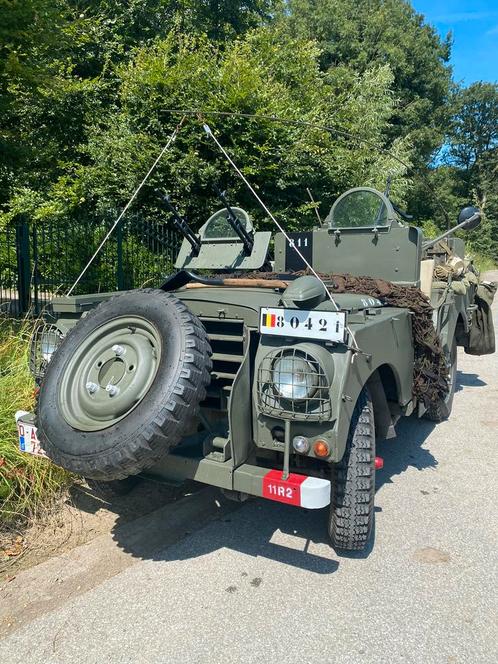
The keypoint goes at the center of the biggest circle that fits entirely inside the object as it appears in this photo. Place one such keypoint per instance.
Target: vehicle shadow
(259, 528)
(468, 380)
(405, 450)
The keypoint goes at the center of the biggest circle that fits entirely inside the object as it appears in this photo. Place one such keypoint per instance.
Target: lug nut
(112, 389)
(92, 388)
(118, 350)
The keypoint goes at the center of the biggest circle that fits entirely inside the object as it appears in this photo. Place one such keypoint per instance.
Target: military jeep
(269, 376)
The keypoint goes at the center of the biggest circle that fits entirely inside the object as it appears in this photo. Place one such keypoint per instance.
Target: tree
(467, 171)
(473, 125)
(357, 34)
(265, 72)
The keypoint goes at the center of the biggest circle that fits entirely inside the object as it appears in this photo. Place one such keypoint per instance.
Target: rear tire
(353, 482)
(441, 410)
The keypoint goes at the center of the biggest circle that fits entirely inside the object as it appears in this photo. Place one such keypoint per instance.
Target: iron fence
(41, 259)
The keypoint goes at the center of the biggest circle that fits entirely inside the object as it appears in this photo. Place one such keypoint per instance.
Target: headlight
(294, 378)
(44, 342)
(48, 344)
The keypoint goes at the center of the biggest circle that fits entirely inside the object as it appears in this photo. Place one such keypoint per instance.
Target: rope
(171, 139)
(292, 244)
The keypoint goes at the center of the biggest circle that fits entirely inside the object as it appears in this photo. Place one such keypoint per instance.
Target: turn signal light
(321, 448)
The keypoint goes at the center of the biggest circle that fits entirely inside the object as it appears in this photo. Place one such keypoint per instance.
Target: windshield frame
(390, 213)
(240, 213)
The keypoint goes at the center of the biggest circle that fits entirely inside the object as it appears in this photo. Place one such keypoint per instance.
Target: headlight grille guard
(316, 407)
(37, 362)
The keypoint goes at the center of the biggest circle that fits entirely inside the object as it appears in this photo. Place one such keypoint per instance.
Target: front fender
(383, 342)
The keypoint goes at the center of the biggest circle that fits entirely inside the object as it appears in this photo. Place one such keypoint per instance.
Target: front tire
(353, 482)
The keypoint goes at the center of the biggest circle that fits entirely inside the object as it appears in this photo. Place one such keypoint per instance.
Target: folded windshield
(359, 209)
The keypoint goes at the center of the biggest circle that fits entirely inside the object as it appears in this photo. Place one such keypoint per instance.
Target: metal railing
(41, 259)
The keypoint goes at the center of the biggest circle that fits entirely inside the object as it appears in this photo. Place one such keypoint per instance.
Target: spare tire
(124, 386)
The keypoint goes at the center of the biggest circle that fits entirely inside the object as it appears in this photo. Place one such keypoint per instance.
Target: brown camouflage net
(430, 372)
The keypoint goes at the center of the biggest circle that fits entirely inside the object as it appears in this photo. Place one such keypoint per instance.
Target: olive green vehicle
(261, 378)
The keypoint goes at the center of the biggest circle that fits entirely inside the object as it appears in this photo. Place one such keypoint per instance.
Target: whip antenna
(170, 140)
(292, 244)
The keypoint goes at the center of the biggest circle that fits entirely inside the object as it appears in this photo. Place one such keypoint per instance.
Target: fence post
(119, 249)
(23, 265)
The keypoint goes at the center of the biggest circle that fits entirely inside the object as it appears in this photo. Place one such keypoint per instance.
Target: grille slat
(227, 342)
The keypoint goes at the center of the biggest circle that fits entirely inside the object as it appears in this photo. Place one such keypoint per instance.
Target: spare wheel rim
(110, 373)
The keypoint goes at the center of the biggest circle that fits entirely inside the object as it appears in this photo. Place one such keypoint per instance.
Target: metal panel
(216, 255)
(392, 254)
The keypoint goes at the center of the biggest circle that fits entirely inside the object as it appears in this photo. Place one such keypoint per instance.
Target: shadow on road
(259, 528)
(468, 380)
(405, 450)
(282, 533)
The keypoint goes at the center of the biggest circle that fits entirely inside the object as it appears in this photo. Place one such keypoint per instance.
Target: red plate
(283, 491)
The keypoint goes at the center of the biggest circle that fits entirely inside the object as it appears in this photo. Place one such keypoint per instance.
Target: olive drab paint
(284, 364)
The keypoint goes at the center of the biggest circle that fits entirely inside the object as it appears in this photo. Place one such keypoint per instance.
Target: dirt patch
(80, 516)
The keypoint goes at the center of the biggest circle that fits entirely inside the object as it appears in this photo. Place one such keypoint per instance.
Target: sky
(474, 24)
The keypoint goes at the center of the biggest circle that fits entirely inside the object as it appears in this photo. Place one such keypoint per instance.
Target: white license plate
(28, 439)
(325, 325)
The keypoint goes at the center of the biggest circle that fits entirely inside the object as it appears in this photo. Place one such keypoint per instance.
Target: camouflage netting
(430, 372)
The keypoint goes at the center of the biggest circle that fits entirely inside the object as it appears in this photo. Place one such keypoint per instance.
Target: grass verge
(484, 263)
(28, 485)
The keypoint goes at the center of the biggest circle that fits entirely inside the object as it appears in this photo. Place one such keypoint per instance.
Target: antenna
(315, 206)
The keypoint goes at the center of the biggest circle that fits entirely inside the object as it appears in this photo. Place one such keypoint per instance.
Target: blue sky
(474, 24)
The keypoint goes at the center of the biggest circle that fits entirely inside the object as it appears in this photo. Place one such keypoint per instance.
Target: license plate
(283, 491)
(300, 490)
(325, 325)
(28, 439)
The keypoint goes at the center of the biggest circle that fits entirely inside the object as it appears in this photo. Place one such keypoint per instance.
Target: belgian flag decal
(268, 320)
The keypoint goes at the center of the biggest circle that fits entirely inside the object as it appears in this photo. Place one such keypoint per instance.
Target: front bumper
(182, 463)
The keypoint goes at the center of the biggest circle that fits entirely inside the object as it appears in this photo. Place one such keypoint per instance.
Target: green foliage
(474, 124)
(27, 484)
(468, 169)
(86, 87)
(358, 34)
(265, 72)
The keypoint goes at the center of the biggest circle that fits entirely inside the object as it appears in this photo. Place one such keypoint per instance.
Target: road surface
(208, 581)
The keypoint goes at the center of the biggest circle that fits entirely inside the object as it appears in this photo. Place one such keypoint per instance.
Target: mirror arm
(431, 243)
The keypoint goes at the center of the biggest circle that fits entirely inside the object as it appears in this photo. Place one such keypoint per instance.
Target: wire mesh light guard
(316, 406)
(38, 360)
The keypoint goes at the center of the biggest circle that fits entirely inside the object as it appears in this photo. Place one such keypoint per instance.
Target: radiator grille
(226, 337)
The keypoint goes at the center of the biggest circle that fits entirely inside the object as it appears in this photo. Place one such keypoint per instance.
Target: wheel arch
(385, 388)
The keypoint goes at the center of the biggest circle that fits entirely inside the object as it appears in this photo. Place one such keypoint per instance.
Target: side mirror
(472, 214)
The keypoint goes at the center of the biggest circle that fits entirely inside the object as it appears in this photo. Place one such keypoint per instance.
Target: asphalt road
(259, 583)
